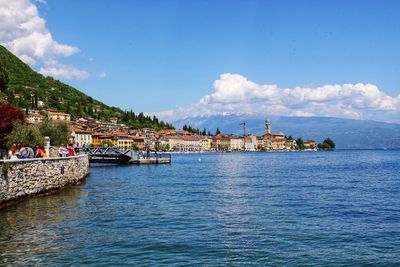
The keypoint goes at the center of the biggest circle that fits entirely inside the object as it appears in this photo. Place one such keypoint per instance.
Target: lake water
(238, 209)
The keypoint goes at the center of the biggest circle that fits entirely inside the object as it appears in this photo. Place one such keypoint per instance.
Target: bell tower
(267, 127)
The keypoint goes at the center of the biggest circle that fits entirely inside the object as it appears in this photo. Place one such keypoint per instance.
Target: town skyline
(166, 59)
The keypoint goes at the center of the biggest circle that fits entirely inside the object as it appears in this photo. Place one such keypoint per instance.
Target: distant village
(87, 132)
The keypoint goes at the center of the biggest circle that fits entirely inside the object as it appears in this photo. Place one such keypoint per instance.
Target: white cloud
(234, 93)
(102, 75)
(24, 33)
(64, 72)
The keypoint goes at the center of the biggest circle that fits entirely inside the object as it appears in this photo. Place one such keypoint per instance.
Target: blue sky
(159, 55)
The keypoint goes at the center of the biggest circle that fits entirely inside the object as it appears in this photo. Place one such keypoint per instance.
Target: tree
(217, 131)
(329, 141)
(134, 147)
(25, 134)
(300, 143)
(9, 115)
(328, 144)
(4, 79)
(58, 132)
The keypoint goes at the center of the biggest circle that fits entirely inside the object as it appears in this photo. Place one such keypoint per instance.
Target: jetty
(114, 155)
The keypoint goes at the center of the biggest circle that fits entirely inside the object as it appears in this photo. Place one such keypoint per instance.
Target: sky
(191, 58)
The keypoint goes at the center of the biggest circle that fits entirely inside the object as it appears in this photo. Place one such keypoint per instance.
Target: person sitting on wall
(22, 154)
(30, 152)
(38, 152)
(13, 152)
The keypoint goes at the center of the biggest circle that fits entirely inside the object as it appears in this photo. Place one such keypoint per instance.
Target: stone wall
(24, 177)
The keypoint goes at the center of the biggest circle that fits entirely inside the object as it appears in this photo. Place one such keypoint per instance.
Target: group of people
(26, 152)
(66, 150)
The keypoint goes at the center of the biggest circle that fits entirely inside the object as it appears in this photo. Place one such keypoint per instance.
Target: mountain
(29, 89)
(347, 133)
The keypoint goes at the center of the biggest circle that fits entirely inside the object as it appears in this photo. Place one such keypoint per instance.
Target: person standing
(63, 151)
(70, 150)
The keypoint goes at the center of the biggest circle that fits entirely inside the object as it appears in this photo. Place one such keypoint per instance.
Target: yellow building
(236, 143)
(58, 116)
(206, 144)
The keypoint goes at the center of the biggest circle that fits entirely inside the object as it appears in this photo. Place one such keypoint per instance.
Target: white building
(34, 118)
(251, 143)
(81, 137)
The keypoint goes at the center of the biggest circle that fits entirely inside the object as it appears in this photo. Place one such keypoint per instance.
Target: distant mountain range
(347, 133)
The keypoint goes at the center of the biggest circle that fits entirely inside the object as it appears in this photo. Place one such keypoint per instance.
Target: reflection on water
(338, 208)
(36, 225)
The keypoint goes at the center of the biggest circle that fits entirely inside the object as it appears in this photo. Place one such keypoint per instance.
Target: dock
(114, 155)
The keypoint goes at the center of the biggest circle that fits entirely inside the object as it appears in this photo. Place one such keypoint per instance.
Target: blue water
(239, 209)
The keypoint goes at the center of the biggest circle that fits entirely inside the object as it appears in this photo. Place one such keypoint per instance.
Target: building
(102, 139)
(114, 120)
(125, 141)
(186, 143)
(58, 116)
(206, 144)
(310, 144)
(290, 144)
(121, 140)
(273, 140)
(221, 142)
(236, 143)
(260, 143)
(35, 118)
(81, 137)
(250, 143)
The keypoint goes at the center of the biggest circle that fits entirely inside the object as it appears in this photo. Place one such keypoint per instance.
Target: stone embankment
(21, 178)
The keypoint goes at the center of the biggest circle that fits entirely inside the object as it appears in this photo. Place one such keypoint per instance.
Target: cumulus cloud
(64, 72)
(24, 33)
(234, 93)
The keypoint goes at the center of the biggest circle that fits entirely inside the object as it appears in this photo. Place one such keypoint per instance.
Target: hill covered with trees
(27, 89)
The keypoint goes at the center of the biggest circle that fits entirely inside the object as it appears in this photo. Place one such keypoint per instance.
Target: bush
(25, 134)
(59, 132)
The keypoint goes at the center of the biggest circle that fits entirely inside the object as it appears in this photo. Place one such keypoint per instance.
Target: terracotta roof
(35, 115)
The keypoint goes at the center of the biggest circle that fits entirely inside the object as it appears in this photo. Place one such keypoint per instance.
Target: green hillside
(29, 89)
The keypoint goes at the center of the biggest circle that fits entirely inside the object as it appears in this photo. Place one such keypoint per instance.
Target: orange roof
(35, 115)
(57, 113)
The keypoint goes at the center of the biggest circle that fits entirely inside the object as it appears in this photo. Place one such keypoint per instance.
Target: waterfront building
(310, 144)
(260, 143)
(100, 139)
(221, 142)
(81, 137)
(290, 144)
(121, 140)
(273, 140)
(236, 143)
(206, 143)
(250, 143)
(126, 141)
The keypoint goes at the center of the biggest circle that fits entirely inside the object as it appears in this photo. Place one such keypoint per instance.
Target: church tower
(267, 127)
